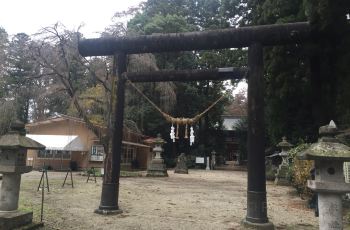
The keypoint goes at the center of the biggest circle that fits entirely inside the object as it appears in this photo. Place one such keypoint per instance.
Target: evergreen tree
(19, 72)
(183, 16)
(330, 74)
(305, 84)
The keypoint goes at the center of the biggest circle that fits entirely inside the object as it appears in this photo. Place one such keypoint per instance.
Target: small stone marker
(181, 166)
(13, 155)
(157, 167)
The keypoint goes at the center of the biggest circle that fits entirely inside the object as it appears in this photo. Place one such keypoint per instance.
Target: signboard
(97, 152)
(199, 160)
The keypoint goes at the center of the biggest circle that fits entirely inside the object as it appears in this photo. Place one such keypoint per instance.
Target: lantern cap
(328, 130)
(15, 138)
(328, 147)
(159, 140)
(284, 143)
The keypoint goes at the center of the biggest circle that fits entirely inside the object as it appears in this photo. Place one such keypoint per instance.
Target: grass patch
(28, 205)
(130, 174)
(122, 174)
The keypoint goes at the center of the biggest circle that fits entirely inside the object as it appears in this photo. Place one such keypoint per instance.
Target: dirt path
(199, 200)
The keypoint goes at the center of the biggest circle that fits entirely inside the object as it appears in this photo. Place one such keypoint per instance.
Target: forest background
(306, 85)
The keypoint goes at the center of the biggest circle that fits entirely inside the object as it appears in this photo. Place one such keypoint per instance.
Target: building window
(97, 153)
(41, 153)
(54, 154)
(49, 153)
(128, 154)
(66, 154)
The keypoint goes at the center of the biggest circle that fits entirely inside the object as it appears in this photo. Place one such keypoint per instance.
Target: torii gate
(254, 37)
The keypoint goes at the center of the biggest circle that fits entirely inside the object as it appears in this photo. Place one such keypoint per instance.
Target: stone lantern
(13, 155)
(157, 167)
(329, 155)
(282, 171)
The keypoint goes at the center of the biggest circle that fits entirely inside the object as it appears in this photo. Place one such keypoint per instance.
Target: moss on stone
(327, 150)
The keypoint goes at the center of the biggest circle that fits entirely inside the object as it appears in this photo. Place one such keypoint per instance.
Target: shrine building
(70, 143)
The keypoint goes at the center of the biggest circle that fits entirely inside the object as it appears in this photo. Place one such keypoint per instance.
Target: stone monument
(13, 156)
(181, 164)
(157, 167)
(282, 171)
(329, 155)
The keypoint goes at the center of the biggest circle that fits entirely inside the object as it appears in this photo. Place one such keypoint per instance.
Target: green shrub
(299, 170)
(130, 174)
(91, 172)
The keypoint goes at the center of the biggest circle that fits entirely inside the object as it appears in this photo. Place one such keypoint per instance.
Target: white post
(208, 167)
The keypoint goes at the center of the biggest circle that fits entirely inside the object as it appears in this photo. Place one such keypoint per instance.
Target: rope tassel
(177, 131)
(172, 133)
(191, 136)
(186, 136)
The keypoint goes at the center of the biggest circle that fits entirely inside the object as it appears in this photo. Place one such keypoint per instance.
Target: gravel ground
(200, 200)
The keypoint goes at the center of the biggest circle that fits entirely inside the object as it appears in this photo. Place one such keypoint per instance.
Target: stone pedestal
(181, 166)
(282, 175)
(157, 169)
(259, 226)
(109, 203)
(11, 220)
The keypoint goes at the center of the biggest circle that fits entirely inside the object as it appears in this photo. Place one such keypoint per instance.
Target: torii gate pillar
(110, 187)
(256, 192)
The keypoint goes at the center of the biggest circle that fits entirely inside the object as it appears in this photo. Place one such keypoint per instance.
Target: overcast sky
(29, 16)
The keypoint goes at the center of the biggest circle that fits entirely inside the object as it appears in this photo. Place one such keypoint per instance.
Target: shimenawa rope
(169, 118)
